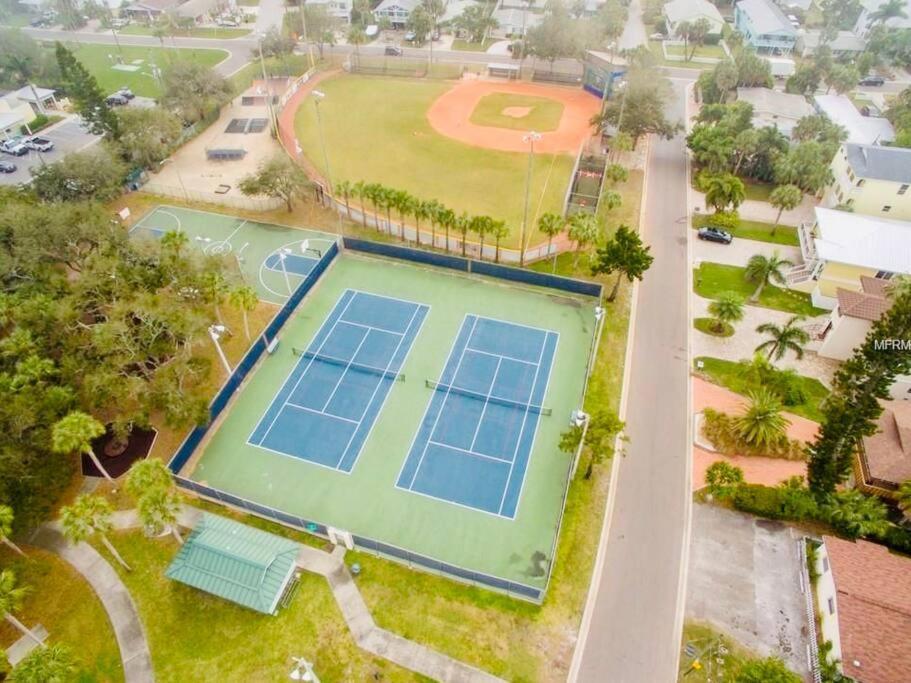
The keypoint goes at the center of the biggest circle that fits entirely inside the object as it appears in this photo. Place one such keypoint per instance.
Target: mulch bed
(138, 447)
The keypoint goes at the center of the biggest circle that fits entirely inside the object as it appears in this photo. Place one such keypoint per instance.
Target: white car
(39, 144)
(14, 146)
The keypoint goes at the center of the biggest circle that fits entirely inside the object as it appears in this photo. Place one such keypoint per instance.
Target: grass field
(756, 230)
(195, 32)
(543, 114)
(465, 46)
(99, 60)
(711, 279)
(375, 137)
(62, 602)
(657, 51)
(707, 326)
(707, 51)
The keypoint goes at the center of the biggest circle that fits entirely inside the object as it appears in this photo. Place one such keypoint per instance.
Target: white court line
(318, 412)
(241, 250)
(493, 381)
(501, 355)
(378, 329)
(345, 371)
(469, 452)
(227, 240)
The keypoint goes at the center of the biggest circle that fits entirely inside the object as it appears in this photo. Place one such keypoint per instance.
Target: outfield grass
(543, 116)
(732, 375)
(60, 600)
(711, 279)
(195, 32)
(756, 230)
(377, 131)
(98, 59)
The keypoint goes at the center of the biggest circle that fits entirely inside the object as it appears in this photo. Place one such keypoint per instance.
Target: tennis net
(437, 386)
(341, 362)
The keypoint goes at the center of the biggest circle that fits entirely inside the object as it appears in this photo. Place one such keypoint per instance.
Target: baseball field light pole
(530, 138)
(186, 195)
(216, 332)
(318, 97)
(282, 255)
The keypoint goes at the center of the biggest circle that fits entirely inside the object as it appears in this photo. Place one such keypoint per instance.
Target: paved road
(631, 629)
(269, 15)
(67, 136)
(634, 31)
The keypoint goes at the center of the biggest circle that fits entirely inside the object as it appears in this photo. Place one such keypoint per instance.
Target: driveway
(67, 136)
(269, 15)
(738, 252)
(634, 32)
(744, 579)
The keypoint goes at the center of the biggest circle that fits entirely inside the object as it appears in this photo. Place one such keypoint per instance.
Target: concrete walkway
(134, 649)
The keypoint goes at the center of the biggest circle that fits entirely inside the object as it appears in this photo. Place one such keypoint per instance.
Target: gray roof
(766, 17)
(766, 100)
(880, 163)
(691, 10)
(845, 41)
(407, 5)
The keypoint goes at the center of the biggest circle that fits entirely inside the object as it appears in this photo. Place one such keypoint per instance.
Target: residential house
(454, 9)
(14, 113)
(775, 108)
(840, 247)
(863, 130)
(338, 9)
(864, 597)
(864, 21)
(396, 11)
(149, 10)
(513, 22)
(764, 26)
(197, 10)
(883, 461)
(854, 314)
(845, 44)
(690, 11)
(872, 180)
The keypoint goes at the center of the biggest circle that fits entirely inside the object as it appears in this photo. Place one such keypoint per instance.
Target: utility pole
(530, 138)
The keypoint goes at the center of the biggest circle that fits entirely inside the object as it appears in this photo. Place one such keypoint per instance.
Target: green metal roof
(235, 562)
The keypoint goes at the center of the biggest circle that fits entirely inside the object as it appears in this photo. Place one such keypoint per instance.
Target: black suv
(872, 80)
(712, 234)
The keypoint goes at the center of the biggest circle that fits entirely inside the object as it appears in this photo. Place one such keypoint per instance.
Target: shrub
(722, 431)
(723, 479)
(790, 500)
(855, 514)
(729, 220)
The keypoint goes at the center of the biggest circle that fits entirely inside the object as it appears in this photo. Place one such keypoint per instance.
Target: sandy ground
(449, 115)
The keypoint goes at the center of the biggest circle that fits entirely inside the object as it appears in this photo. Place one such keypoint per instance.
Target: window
(887, 208)
(903, 189)
(831, 606)
(825, 565)
(884, 275)
(860, 183)
(851, 175)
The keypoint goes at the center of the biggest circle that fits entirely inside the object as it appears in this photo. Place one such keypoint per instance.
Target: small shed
(236, 562)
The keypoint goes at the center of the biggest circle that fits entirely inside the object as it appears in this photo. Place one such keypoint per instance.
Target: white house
(678, 11)
(863, 130)
(396, 11)
(775, 108)
(864, 21)
(338, 9)
(845, 44)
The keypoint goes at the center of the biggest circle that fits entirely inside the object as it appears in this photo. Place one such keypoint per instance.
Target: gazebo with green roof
(236, 562)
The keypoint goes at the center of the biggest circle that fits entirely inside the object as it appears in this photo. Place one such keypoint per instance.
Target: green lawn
(759, 192)
(64, 603)
(707, 326)
(732, 375)
(100, 59)
(756, 230)
(711, 279)
(376, 130)
(713, 664)
(195, 32)
(464, 45)
(658, 53)
(543, 114)
(709, 51)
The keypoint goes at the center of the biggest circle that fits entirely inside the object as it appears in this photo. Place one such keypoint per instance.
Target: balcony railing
(807, 241)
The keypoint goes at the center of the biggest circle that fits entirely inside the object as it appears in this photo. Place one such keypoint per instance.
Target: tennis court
(327, 406)
(273, 259)
(475, 439)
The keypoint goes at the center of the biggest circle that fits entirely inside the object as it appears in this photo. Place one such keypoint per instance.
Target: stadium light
(530, 138)
(282, 255)
(216, 332)
(319, 96)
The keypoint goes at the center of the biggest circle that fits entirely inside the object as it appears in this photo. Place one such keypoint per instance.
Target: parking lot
(67, 136)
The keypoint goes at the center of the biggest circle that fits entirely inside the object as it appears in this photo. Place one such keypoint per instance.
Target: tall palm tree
(422, 210)
(74, 433)
(763, 269)
(374, 193)
(583, 230)
(785, 197)
(498, 231)
(611, 200)
(405, 204)
(387, 197)
(245, 299)
(447, 219)
(146, 475)
(214, 288)
(158, 509)
(53, 664)
(726, 310)
(762, 425)
(891, 9)
(11, 597)
(551, 224)
(480, 226)
(357, 37)
(462, 224)
(722, 190)
(173, 242)
(358, 190)
(88, 516)
(783, 338)
(344, 188)
(6, 528)
(434, 209)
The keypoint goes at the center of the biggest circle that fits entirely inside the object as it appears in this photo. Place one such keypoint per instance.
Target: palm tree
(611, 199)
(146, 475)
(245, 299)
(447, 219)
(722, 190)
(375, 193)
(87, 516)
(784, 338)
(480, 225)
(762, 425)
(174, 242)
(726, 310)
(856, 514)
(462, 225)
(11, 597)
(344, 188)
(386, 198)
(54, 664)
(6, 528)
(214, 287)
(552, 224)
(158, 509)
(583, 230)
(891, 9)
(434, 209)
(421, 210)
(357, 37)
(785, 197)
(498, 230)
(74, 433)
(359, 190)
(405, 204)
(903, 495)
(762, 269)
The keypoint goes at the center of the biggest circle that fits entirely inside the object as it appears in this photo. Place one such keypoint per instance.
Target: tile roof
(861, 305)
(235, 562)
(873, 589)
(888, 452)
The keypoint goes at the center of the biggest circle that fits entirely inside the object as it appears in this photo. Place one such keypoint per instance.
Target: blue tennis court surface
(473, 445)
(295, 264)
(333, 395)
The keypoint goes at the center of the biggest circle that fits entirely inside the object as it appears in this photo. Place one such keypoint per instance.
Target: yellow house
(871, 180)
(13, 113)
(839, 248)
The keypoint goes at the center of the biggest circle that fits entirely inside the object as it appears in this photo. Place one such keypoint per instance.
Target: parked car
(7, 167)
(40, 22)
(125, 92)
(410, 36)
(116, 100)
(711, 233)
(393, 51)
(39, 144)
(120, 23)
(14, 146)
(228, 22)
(657, 36)
(872, 80)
